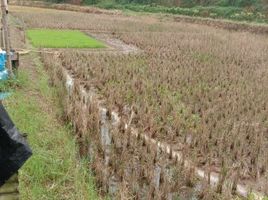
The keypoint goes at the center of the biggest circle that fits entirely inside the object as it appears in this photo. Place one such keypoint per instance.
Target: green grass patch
(55, 170)
(214, 12)
(49, 38)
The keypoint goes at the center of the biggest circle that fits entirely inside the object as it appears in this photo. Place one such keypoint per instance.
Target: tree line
(188, 3)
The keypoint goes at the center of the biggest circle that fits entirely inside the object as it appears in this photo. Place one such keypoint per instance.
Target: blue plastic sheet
(3, 56)
(3, 74)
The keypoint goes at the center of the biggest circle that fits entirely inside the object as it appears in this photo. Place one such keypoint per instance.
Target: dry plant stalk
(201, 89)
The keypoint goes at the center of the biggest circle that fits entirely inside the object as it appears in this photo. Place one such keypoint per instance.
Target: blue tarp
(3, 56)
(3, 74)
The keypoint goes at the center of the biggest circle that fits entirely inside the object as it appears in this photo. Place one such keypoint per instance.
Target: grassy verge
(54, 171)
(49, 38)
(215, 12)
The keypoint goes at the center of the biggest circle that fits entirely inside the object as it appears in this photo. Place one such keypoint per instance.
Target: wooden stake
(2, 36)
(6, 36)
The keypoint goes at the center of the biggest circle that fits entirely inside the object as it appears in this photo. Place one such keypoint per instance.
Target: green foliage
(7, 85)
(91, 2)
(183, 3)
(233, 13)
(56, 1)
(241, 10)
(13, 83)
(48, 38)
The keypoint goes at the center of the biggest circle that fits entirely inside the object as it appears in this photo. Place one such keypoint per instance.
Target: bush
(90, 2)
(222, 8)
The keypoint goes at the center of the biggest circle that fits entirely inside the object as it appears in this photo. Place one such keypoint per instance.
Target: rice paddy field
(201, 89)
(49, 38)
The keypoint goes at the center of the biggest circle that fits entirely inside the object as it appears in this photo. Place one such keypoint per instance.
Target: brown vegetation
(200, 89)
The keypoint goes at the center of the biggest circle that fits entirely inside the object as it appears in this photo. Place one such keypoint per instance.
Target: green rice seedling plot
(49, 38)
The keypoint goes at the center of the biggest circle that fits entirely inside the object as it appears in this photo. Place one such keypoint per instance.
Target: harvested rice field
(198, 93)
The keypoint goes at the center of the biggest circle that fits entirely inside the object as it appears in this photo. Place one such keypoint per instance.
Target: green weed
(54, 171)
